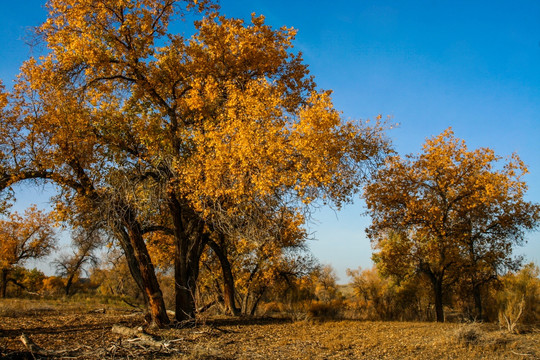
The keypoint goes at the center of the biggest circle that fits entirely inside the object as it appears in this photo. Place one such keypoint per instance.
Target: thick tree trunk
(228, 279)
(477, 295)
(3, 285)
(130, 235)
(438, 292)
(437, 286)
(189, 243)
(186, 270)
(185, 287)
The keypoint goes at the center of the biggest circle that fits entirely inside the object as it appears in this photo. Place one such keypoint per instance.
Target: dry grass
(57, 327)
(26, 307)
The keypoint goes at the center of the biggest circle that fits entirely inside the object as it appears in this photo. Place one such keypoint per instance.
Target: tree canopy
(449, 212)
(24, 237)
(168, 133)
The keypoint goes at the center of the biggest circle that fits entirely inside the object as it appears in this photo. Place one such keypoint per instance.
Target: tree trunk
(245, 301)
(133, 266)
(228, 279)
(478, 301)
(256, 302)
(189, 243)
(438, 292)
(188, 251)
(185, 287)
(436, 279)
(153, 292)
(3, 285)
(68, 284)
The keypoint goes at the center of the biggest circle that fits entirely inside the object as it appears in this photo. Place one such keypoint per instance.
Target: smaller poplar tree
(450, 213)
(23, 237)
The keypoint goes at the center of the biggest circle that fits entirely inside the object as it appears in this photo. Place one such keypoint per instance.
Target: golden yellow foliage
(177, 131)
(25, 236)
(449, 212)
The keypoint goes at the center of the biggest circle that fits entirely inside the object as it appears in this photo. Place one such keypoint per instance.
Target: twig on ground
(32, 346)
(520, 354)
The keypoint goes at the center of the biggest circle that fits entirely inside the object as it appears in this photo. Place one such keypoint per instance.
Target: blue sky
(429, 64)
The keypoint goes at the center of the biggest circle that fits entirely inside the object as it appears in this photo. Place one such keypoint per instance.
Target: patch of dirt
(84, 334)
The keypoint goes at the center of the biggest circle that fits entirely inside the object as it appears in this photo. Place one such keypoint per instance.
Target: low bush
(469, 334)
(319, 310)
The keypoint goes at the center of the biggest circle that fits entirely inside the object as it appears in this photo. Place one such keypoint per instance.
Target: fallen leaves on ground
(86, 334)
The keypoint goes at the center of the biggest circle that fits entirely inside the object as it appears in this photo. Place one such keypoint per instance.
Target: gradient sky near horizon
(429, 64)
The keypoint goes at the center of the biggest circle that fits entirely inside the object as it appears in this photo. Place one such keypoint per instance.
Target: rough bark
(189, 243)
(153, 292)
(245, 300)
(133, 266)
(185, 287)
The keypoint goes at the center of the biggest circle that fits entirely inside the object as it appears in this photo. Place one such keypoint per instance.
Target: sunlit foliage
(449, 212)
(171, 132)
(24, 237)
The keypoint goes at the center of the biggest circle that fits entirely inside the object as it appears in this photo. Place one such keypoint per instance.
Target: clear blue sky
(430, 64)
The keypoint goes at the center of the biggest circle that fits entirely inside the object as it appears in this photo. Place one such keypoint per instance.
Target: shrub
(319, 310)
(380, 297)
(470, 334)
(518, 299)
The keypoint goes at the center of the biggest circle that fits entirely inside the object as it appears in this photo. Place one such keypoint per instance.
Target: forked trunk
(141, 267)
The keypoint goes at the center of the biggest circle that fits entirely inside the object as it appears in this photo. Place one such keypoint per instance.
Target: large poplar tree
(168, 131)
